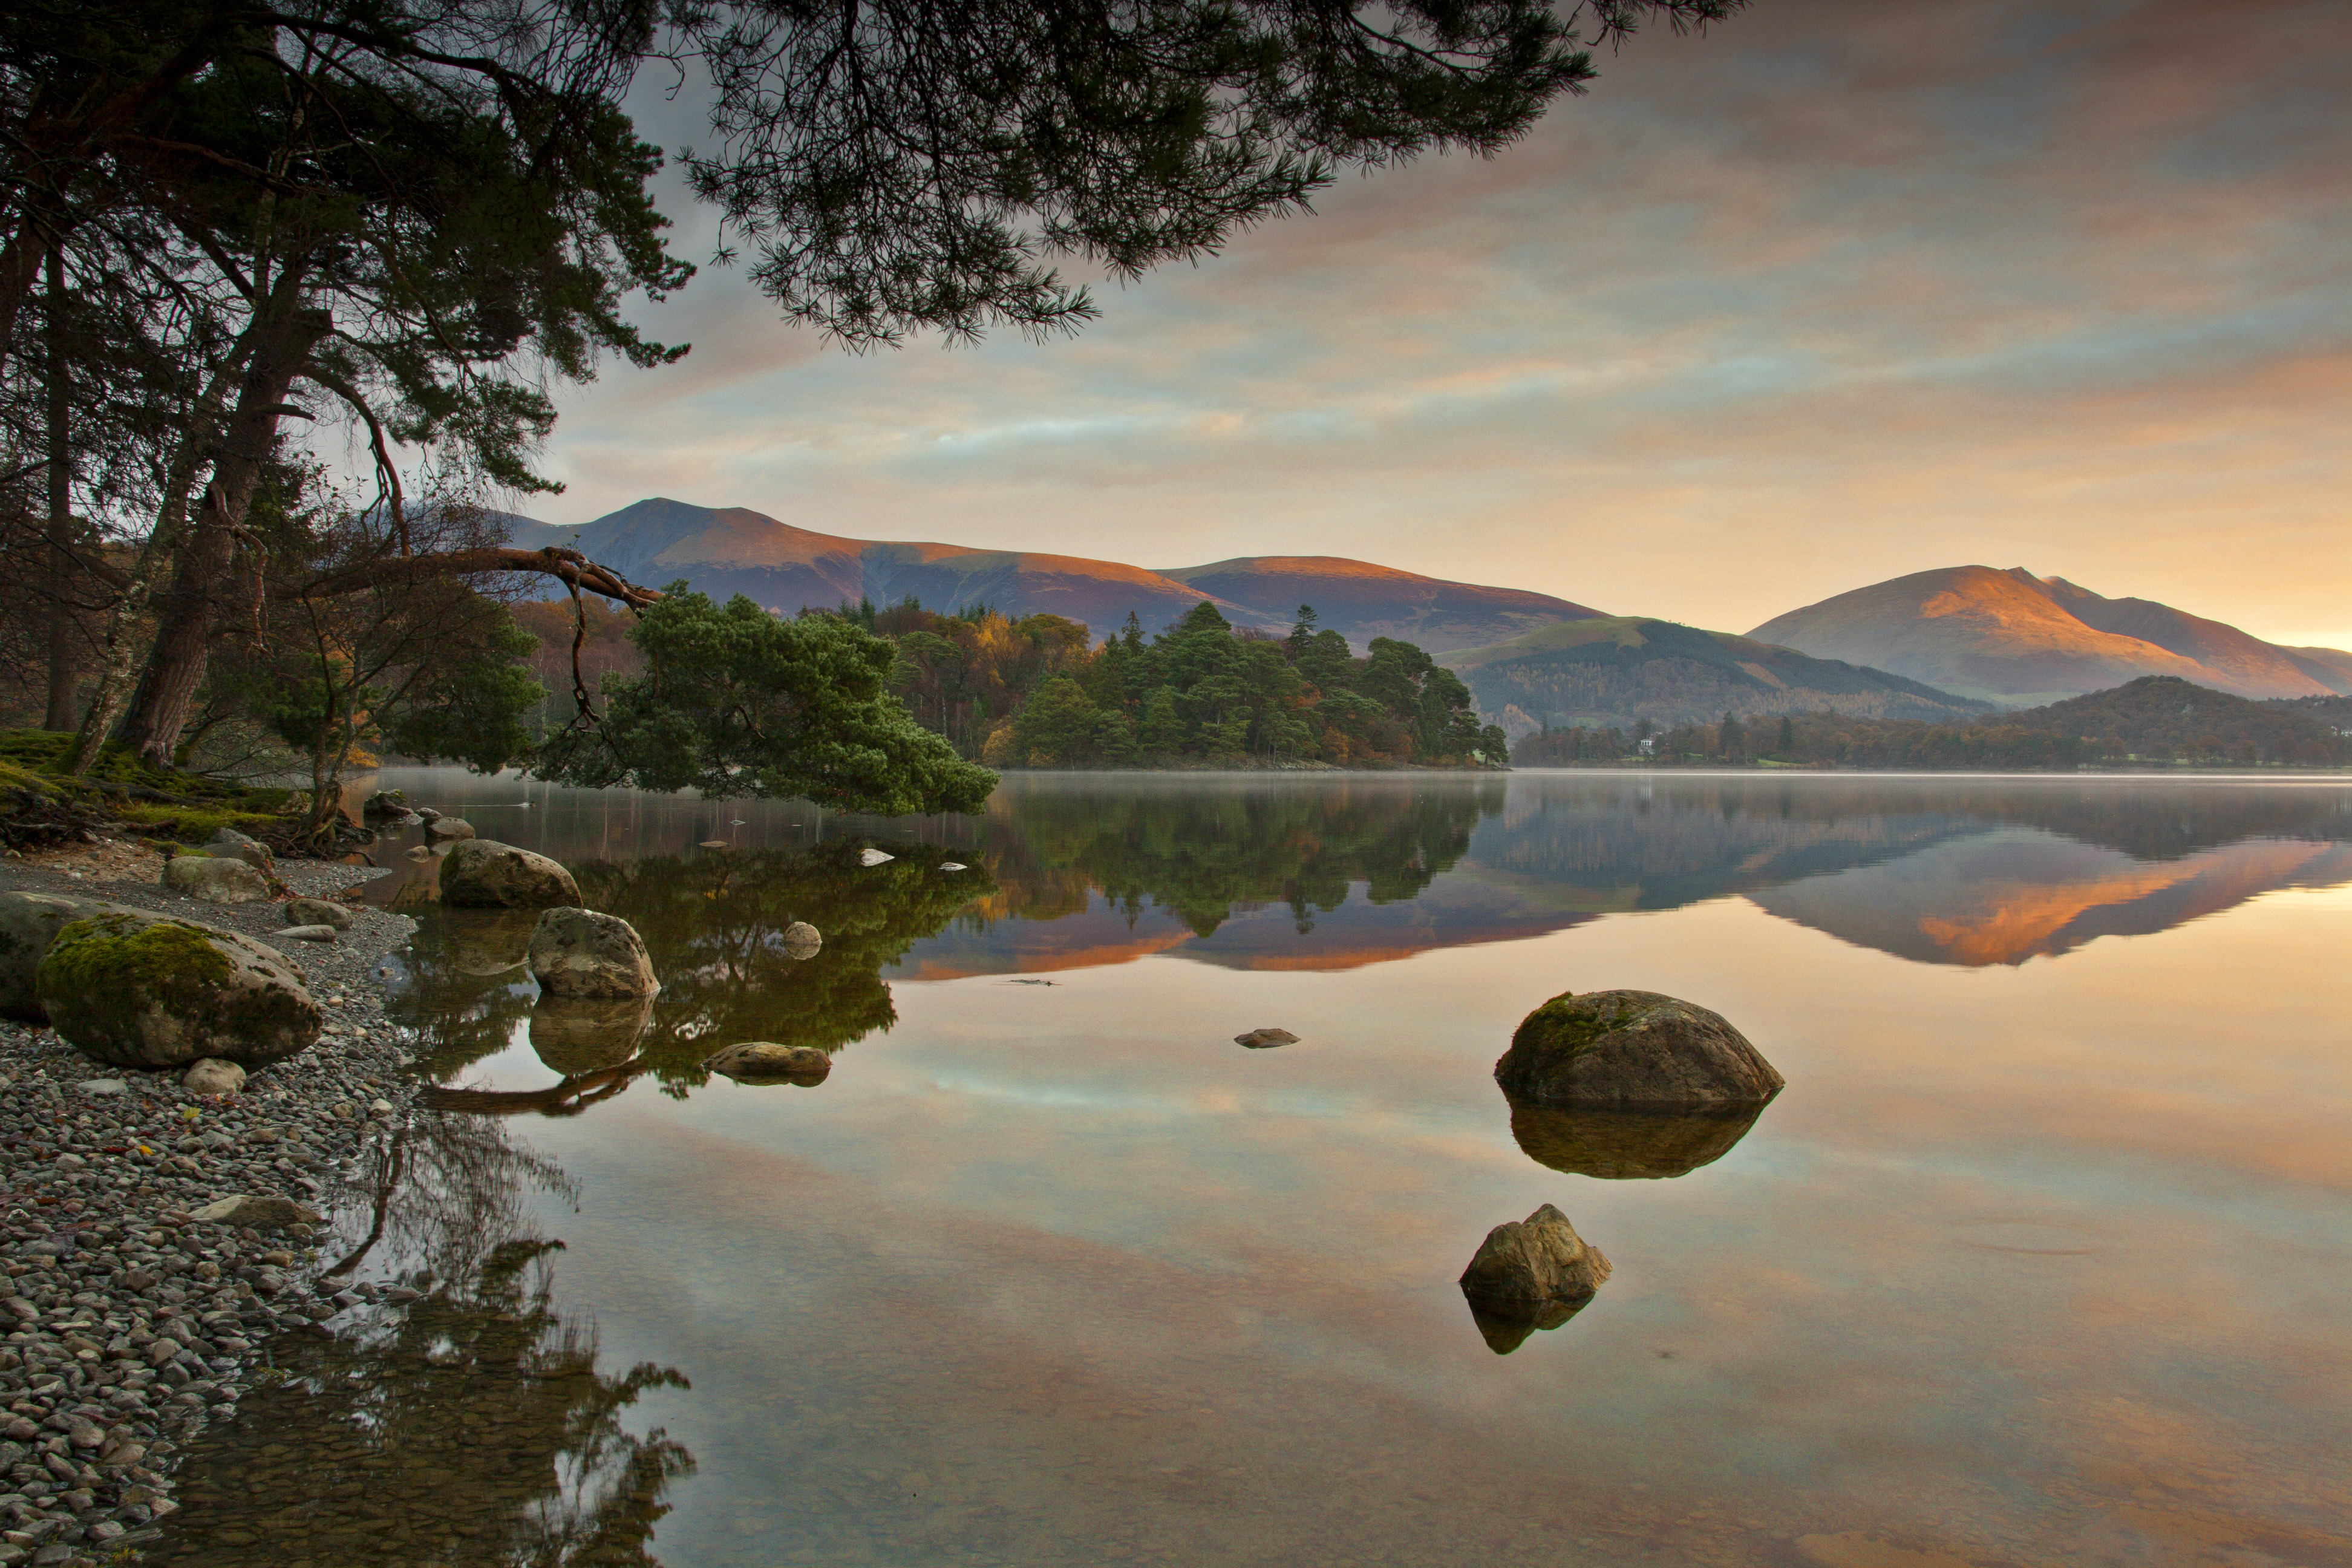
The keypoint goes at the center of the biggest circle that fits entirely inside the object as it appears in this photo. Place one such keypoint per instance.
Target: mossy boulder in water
(580, 953)
(484, 874)
(29, 922)
(146, 990)
(1633, 1047)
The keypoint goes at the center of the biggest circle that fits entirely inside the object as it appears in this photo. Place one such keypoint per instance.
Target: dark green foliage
(737, 701)
(2163, 717)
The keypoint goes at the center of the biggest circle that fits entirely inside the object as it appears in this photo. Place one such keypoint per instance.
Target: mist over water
(2037, 1258)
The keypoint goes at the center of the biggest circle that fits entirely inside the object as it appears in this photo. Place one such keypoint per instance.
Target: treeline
(1037, 692)
(2155, 718)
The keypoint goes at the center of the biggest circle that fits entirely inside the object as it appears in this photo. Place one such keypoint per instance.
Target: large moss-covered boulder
(580, 952)
(1619, 1142)
(215, 880)
(1633, 1047)
(29, 922)
(137, 990)
(484, 874)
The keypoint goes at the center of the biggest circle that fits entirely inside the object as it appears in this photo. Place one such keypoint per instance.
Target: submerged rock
(580, 952)
(211, 1075)
(147, 991)
(801, 940)
(317, 912)
(482, 873)
(587, 1033)
(29, 922)
(1260, 1039)
(1633, 1047)
(214, 880)
(764, 1061)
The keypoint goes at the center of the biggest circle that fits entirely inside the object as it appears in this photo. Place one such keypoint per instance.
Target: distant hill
(723, 551)
(2017, 640)
(1615, 670)
(2164, 716)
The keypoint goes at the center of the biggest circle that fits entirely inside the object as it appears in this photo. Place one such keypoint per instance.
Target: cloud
(1837, 291)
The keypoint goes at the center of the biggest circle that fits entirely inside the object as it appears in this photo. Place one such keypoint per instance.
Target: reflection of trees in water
(714, 924)
(470, 1426)
(1205, 854)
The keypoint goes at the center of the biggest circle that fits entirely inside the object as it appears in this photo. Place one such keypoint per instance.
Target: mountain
(1613, 671)
(723, 551)
(2016, 639)
(1362, 600)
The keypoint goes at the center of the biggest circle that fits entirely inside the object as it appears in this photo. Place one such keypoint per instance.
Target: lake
(2040, 1257)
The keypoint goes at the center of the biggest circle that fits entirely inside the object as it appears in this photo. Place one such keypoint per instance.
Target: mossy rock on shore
(29, 923)
(135, 990)
(1633, 1047)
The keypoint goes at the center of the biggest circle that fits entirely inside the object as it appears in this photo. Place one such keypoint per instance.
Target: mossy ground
(138, 796)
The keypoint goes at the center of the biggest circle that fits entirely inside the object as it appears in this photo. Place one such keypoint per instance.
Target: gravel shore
(129, 1325)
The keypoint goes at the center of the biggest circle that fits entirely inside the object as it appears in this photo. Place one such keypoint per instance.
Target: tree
(737, 701)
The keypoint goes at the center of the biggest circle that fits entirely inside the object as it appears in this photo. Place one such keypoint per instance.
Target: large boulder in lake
(137, 990)
(580, 952)
(484, 874)
(214, 880)
(1618, 1142)
(577, 1035)
(29, 922)
(1633, 1047)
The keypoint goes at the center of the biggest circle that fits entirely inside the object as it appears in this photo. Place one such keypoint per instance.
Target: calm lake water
(2041, 1258)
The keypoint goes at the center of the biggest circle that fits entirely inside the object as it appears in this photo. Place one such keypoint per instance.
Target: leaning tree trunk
(175, 664)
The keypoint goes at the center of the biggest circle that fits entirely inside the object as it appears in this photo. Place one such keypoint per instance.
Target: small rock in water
(447, 827)
(873, 856)
(309, 933)
(582, 953)
(1531, 1274)
(953, 865)
(802, 940)
(1259, 1040)
(1029, 983)
(712, 844)
(764, 1061)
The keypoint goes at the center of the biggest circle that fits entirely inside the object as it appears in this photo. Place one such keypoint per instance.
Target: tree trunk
(175, 665)
(64, 631)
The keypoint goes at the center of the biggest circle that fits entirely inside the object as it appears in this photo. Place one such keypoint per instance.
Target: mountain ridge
(727, 550)
(2019, 641)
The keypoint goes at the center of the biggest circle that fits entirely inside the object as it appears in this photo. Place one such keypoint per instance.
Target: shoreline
(132, 1326)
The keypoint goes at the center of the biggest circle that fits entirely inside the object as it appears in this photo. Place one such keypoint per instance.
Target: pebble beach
(132, 1322)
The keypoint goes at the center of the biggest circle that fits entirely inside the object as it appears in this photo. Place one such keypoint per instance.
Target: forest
(2155, 718)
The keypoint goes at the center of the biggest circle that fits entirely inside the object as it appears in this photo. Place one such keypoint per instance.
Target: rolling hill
(1615, 670)
(2015, 639)
(723, 551)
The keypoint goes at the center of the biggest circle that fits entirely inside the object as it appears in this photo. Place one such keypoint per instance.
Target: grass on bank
(40, 804)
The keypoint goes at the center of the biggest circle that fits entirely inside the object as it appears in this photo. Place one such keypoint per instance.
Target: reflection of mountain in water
(2012, 894)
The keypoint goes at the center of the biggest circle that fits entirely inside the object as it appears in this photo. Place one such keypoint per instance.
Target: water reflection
(1617, 1144)
(459, 1417)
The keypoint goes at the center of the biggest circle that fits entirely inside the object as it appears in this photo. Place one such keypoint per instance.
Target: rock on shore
(150, 991)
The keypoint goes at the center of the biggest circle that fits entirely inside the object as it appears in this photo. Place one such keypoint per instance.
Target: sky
(1840, 290)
